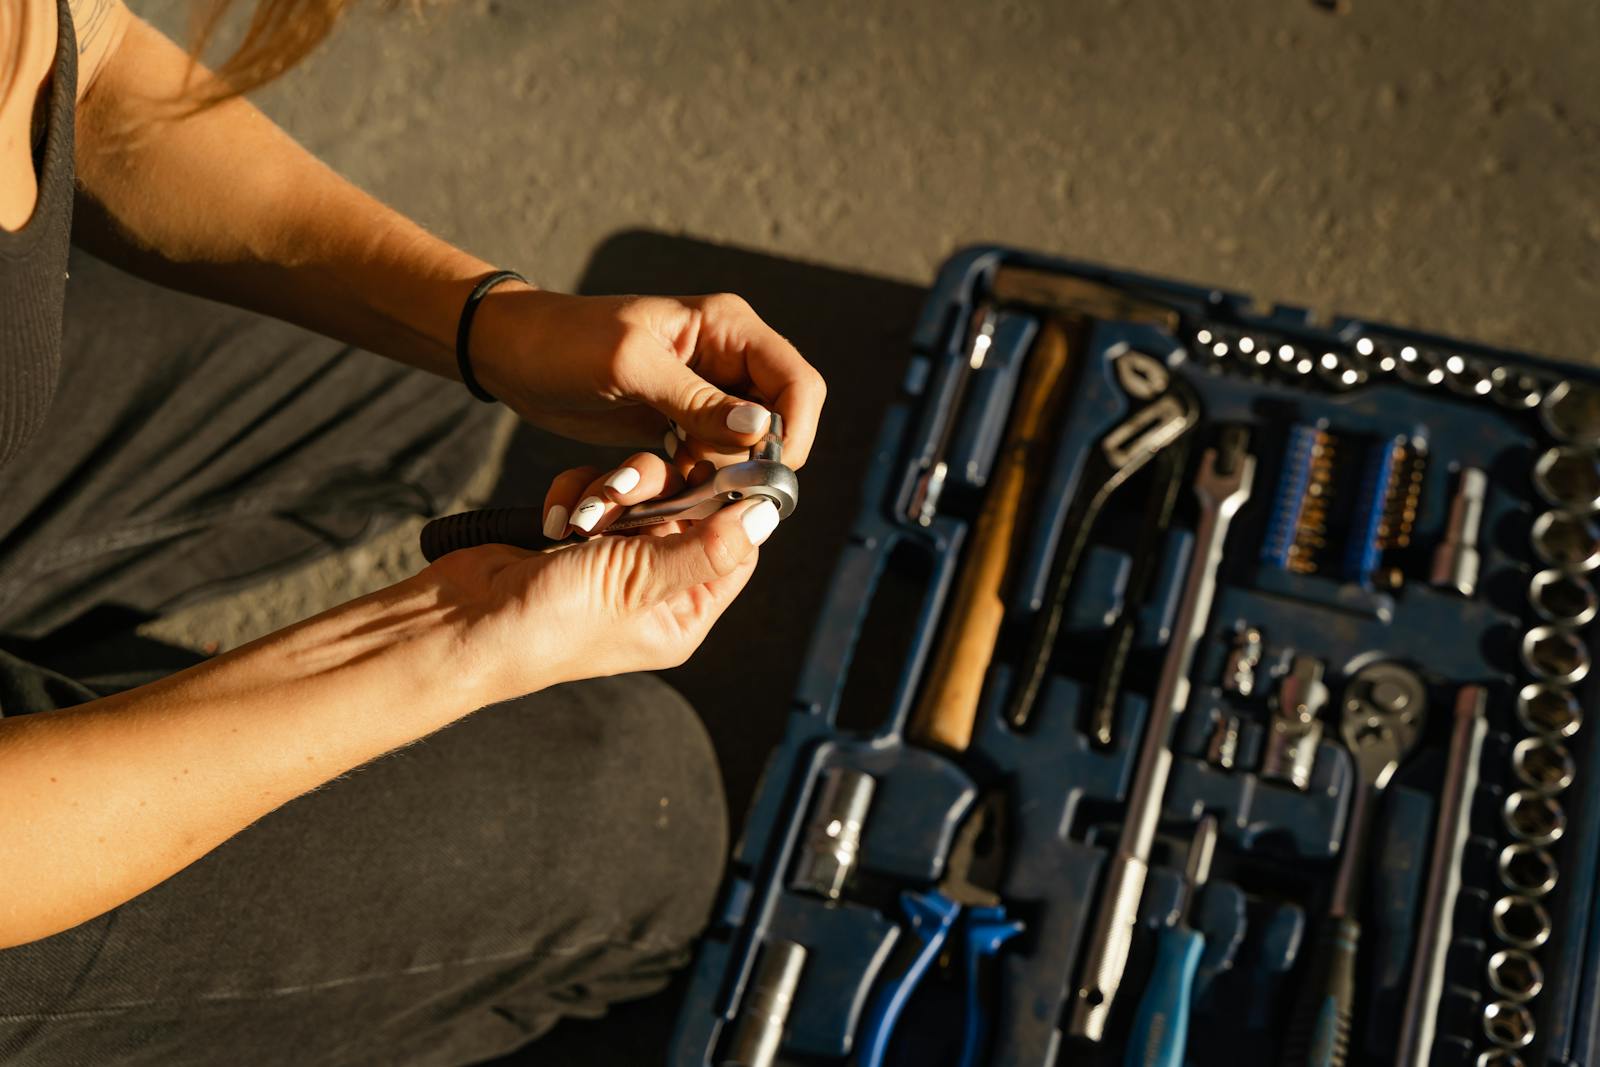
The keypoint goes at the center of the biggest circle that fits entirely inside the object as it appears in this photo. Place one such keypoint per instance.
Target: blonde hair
(280, 34)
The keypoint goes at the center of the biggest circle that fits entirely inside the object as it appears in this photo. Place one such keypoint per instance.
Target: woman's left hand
(614, 370)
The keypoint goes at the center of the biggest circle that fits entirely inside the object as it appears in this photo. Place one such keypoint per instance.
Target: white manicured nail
(588, 513)
(748, 418)
(759, 520)
(555, 523)
(669, 444)
(678, 430)
(623, 480)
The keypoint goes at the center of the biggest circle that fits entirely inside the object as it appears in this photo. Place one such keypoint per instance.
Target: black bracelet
(464, 331)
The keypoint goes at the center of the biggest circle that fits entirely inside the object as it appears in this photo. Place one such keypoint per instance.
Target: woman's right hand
(610, 605)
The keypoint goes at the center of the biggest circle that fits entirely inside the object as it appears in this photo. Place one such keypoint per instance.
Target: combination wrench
(1222, 486)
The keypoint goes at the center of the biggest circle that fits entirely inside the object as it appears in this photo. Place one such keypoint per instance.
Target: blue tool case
(1203, 683)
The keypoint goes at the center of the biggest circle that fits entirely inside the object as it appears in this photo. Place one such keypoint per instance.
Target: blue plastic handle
(986, 930)
(1161, 1028)
(930, 916)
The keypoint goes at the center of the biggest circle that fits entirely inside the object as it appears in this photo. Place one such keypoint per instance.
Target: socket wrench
(1544, 765)
(1508, 1025)
(1527, 869)
(1562, 598)
(1555, 654)
(1534, 818)
(1566, 540)
(1515, 975)
(1520, 922)
(1549, 710)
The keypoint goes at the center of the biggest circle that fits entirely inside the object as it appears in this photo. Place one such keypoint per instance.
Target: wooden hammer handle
(949, 707)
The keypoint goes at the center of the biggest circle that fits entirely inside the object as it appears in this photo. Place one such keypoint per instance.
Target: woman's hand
(614, 370)
(527, 620)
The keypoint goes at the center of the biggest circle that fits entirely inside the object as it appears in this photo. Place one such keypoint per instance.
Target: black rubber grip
(519, 527)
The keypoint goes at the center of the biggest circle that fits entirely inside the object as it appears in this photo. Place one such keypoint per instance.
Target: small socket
(1498, 1057)
(1555, 654)
(1527, 869)
(1515, 390)
(1571, 412)
(1544, 765)
(1549, 710)
(1566, 540)
(1515, 975)
(1508, 1025)
(1562, 598)
(1521, 922)
(1534, 818)
(1568, 476)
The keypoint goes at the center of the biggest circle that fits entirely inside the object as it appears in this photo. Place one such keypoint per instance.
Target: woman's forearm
(106, 799)
(227, 205)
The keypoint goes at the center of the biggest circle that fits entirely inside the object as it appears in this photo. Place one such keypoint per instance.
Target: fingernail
(555, 523)
(622, 480)
(759, 520)
(748, 418)
(678, 430)
(669, 444)
(588, 513)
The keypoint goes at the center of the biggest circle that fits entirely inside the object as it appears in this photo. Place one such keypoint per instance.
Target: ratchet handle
(518, 527)
(1319, 1030)
(1161, 1028)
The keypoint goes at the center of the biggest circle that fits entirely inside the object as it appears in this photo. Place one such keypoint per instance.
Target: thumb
(704, 411)
(710, 549)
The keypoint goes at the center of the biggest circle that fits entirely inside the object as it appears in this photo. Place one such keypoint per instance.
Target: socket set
(1202, 685)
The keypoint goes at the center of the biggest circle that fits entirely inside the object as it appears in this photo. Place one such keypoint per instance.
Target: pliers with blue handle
(965, 896)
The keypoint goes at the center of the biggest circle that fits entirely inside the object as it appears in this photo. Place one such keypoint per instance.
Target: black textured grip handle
(519, 527)
(1319, 1030)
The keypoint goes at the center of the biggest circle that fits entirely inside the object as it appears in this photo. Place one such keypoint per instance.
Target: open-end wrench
(1222, 485)
(1168, 410)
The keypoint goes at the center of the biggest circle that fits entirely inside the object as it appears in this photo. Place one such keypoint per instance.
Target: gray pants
(443, 905)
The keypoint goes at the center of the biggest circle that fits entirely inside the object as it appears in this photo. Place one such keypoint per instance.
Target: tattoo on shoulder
(88, 19)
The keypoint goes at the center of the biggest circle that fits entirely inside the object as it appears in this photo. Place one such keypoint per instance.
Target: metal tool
(1549, 710)
(1563, 598)
(1160, 1032)
(1567, 540)
(948, 708)
(1515, 975)
(1508, 1025)
(967, 893)
(1455, 560)
(1168, 410)
(1296, 728)
(1555, 654)
(1239, 673)
(1534, 817)
(833, 835)
(936, 468)
(1514, 389)
(1520, 921)
(1568, 476)
(762, 475)
(1544, 764)
(1222, 486)
(1571, 412)
(1298, 526)
(1451, 830)
(1527, 869)
(1383, 712)
(1498, 1057)
(764, 1011)
(1222, 749)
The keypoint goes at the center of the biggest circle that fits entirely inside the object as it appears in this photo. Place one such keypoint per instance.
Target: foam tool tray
(1380, 729)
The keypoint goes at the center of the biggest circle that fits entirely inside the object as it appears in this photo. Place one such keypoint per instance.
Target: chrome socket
(1508, 1025)
(1555, 654)
(1549, 710)
(1562, 598)
(1566, 540)
(1544, 765)
(1515, 390)
(1568, 476)
(832, 843)
(1498, 1057)
(1571, 412)
(1520, 922)
(1515, 975)
(1534, 818)
(1527, 869)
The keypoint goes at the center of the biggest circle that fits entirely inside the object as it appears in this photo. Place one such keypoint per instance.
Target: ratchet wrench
(762, 475)
(1222, 485)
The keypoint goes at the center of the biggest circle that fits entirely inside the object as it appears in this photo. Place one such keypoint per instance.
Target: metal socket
(1520, 922)
(1515, 390)
(1549, 710)
(1527, 869)
(764, 1010)
(1567, 540)
(1562, 598)
(1498, 1057)
(1571, 412)
(1543, 764)
(1568, 476)
(1515, 975)
(1508, 1025)
(1534, 818)
(1455, 560)
(833, 836)
(1555, 654)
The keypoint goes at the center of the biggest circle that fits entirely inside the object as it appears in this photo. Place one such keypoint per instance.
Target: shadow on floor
(856, 330)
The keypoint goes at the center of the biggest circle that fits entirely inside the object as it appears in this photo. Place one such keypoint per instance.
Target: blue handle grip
(1161, 1028)
(930, 916)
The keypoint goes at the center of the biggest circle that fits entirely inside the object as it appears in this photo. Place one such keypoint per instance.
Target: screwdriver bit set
(1203, 684)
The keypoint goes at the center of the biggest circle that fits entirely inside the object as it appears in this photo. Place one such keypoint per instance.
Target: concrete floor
(1400, 161)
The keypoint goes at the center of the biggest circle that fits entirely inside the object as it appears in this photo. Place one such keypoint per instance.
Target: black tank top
(33, 265)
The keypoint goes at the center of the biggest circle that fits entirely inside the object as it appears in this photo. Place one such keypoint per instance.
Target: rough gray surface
(1401, 161)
